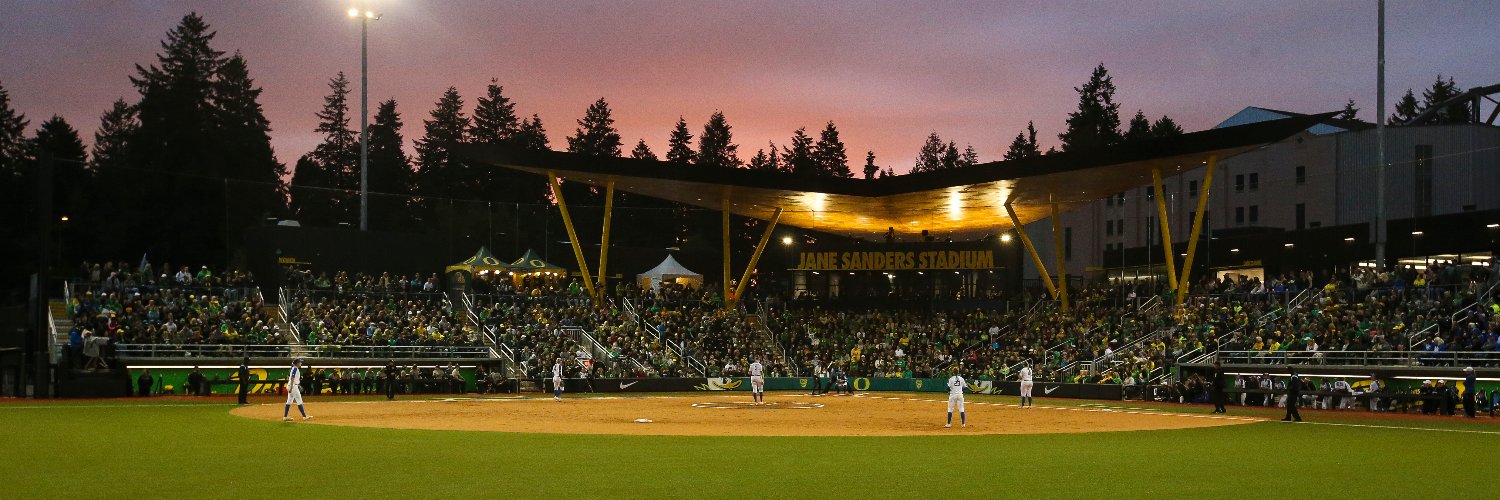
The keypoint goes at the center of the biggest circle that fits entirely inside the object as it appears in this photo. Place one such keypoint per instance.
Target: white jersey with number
(1026, 374)
(756, 369)
(956, 386)
(557, 371)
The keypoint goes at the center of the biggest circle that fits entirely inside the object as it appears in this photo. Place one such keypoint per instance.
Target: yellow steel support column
(583, 265)
(739, 290)
(609, 212)
(726, 252)
(1062, 262)
(1187, 265)
(1036, 258)
(1166, 229)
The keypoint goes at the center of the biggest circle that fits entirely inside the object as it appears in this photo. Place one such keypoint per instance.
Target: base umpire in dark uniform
(244, 379)
(1293, 396)
(390, 373)
(1217, 387)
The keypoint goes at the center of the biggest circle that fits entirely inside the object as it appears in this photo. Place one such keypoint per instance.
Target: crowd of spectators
(366, 310)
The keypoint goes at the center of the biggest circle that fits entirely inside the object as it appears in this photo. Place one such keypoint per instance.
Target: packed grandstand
(1116, 332)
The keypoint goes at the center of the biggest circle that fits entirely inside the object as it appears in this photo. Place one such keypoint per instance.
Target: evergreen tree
(767, 159)
(532, 136)
(202, 164)
(17, 234)
(437, 173)
(112, 138)
(596, 134)
(888, 172)
(1165, 127)
(829, 154)
(930, 157)
(798, 158)
(335, 197)
(1406, 109)
(1096, 123)
(1350, 112)
(969, 158)
(951, 159)
(1442, 91)
(390, 170)
(870, 168)
(313, 193)
(716, 146)
(680, 144)
(642, 151)
(1139, 129)
(12, 137)
(1024, 145)
(495, 119)
(70, 175)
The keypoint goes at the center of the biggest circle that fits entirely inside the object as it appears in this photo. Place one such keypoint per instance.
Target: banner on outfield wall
(226, 380)
(1039, 389)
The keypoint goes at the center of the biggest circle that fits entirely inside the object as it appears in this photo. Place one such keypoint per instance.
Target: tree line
(183, 167)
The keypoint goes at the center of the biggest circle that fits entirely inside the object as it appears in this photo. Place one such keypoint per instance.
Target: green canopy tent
(482, 262)
(531, 263)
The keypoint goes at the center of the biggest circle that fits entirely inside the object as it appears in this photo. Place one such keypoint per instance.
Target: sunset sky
(887, 73)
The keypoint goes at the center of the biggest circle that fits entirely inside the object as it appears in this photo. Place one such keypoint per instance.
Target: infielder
(294, 392)
(557, 380)
(956, 398)
(1025, 376)
(757, 382)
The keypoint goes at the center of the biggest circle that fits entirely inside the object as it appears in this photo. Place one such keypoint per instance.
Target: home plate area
(890, 414)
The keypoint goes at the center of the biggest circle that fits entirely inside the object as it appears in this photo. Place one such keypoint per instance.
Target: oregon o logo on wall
(490, 261)
(861, 380)
(919, 384)
(802, 382)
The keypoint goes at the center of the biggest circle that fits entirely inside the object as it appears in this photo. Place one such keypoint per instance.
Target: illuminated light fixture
(1349, 239)
(1289, 245)
(1492, 226)
(1416, 233)
(1234, 250)
(786, 240)
(63, 218)
(353, 12)
(1005, 238)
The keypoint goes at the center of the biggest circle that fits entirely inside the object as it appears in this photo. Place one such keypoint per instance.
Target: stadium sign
(898, 257)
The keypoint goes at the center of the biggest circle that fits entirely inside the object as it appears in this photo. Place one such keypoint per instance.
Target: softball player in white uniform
(294, 392)
(956, 398)
(757, 383)
(1025, 375)
(557, 380)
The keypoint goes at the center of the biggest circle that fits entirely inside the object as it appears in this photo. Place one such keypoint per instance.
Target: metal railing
(168, 351)
(597, 351)
(1362, 358)
(674, 349)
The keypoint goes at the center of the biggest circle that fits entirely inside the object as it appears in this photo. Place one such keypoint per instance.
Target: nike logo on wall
(624, 385)
(1048, 390)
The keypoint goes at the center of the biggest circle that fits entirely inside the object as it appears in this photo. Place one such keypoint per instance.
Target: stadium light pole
(1380, 139)
(364, 114)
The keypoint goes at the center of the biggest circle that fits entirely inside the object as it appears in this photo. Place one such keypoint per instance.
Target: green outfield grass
(182, 448)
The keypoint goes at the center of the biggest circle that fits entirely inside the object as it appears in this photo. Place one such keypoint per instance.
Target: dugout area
(725, 414)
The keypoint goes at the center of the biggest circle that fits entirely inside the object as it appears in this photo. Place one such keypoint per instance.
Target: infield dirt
(732, 415)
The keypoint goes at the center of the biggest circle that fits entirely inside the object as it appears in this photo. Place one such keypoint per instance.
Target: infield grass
(185, 448)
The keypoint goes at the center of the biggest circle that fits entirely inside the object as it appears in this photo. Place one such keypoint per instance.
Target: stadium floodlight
(786, 240)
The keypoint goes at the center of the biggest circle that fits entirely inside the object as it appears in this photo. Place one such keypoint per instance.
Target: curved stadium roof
(959, 203)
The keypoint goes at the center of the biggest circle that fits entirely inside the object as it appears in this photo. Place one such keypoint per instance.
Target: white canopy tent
(669, 270)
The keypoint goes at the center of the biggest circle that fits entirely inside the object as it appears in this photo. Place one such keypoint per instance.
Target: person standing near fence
(390, 373)
(1470, 389)
(1218, 387)
(956, 385)
(244, 374)
(1293, 397)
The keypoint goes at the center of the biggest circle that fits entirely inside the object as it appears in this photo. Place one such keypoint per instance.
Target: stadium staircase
(765, 339)
(674, 349)
(73, 381)
(498, 349)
